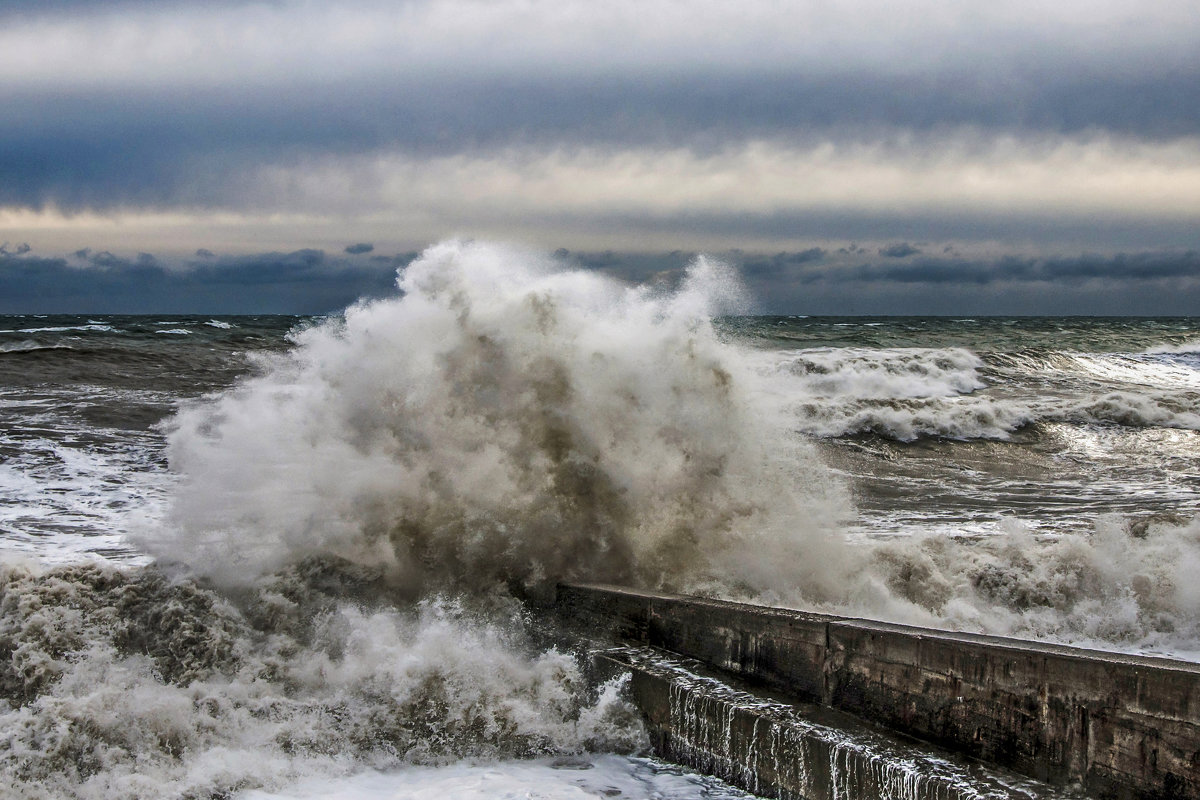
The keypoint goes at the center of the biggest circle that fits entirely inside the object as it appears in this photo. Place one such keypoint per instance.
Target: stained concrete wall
(1123, 726)
(794, 752)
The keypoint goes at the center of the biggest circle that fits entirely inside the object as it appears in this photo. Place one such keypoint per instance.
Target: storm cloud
(1144, 283)
(899, 250)
(813, 281)
(300, 282)
(647, 126)
(169, 103)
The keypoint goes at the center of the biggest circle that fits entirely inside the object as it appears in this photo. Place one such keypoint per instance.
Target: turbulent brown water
(249, 551)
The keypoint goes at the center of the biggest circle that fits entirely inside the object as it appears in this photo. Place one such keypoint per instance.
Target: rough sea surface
(272, 556)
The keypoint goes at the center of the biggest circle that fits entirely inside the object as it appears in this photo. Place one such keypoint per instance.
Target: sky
(850, 157)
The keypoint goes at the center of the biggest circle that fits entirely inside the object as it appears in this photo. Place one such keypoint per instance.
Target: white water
(133, 684)
(908, 393)
(606, 776)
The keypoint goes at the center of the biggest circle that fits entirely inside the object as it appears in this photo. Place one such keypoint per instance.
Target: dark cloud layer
(1145, 284)
(807, 281)
(929, 134)
(1107, 231)
(109, 148)
(899, 250)
(301, 282)
(817, 281)
(1133, 267)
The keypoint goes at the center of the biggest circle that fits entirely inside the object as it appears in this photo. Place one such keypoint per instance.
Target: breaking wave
(331, 590)
(909, 393)
(131, 683)
(505, 420)
(1127, 585)
(1187, 348)
(28, 346)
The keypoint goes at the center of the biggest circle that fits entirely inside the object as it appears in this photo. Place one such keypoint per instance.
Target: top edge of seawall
(1026, 646)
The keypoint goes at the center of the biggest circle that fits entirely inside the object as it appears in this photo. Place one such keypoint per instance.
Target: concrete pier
(1119, 726)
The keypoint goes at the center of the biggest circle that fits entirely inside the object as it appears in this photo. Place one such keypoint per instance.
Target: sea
(277, 557)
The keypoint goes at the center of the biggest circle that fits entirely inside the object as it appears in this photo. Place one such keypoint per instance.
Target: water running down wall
(1122, 726)
(804, 752)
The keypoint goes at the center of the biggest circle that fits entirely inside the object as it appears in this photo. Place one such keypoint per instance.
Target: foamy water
(604, 776)
(242, 562)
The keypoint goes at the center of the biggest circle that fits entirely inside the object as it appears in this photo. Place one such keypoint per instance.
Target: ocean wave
(1111, 369)
(1185, 348)
(861, 373)
(94, 327)
(908, 419)
(1135, 410)
(912, 418)
(176, 331)
(216, 323)
(59, 501)
(130, 683)
(910, 393)
(29, 345)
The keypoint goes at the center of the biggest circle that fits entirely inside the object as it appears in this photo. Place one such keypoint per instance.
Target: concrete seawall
(795, 751)
(1120, 726)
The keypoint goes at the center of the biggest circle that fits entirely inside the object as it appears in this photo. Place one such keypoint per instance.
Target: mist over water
(306, 569)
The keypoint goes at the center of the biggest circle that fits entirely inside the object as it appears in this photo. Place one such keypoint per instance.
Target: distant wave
(1186, 348)
(908, 393)
(29, 345)
(67, 328)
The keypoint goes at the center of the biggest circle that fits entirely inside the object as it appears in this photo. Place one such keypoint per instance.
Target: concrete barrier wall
(794, 752)
(1122, 726)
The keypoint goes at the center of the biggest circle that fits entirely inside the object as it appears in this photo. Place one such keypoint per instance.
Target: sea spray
(509, 419)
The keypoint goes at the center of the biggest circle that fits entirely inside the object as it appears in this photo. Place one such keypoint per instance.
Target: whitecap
(1185, 348)
(29, 345)
(66, 328)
